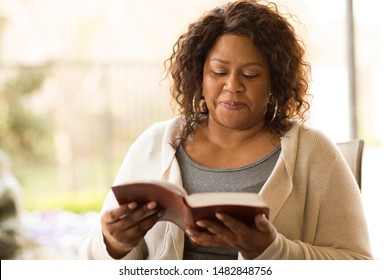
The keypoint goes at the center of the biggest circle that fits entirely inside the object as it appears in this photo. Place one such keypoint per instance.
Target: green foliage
(22, 132)
(76, 201)
(27, 136)
(42, 187)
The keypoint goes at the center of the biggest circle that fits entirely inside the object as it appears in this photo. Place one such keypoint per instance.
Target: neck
(228, 138)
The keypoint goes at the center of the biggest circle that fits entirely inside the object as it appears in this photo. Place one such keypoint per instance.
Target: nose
(233, 83)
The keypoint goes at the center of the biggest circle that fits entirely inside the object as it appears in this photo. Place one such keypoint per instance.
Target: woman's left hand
(231, 233)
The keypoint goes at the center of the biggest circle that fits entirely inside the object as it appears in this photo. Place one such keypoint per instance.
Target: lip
(232, 105)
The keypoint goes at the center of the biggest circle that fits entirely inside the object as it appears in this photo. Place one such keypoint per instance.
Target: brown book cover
(184, 210)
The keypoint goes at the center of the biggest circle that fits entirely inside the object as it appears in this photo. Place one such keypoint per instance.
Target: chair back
(353, 153)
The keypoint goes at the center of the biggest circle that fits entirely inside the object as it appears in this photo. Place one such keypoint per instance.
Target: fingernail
(189, 232)
(151, 205)
(200, 223)
(219, 216)
(194, 240)
(132, 205)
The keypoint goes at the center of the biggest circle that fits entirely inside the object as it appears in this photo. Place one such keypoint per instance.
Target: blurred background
(79, 80)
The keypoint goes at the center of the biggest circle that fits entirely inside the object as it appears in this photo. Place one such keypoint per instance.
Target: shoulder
(308, 134)
(315, 138)
(306, 148)
(313, 134)
(167, 129)
(307, 140)
(150, 152)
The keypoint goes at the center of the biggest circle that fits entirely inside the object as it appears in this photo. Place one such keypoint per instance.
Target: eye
(219, 73)
(250, 76)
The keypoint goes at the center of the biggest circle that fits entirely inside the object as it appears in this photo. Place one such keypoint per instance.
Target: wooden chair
(353, 152)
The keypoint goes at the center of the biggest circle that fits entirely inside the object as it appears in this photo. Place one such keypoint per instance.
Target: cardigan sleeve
(340, 230)
(93, 248)
(144, 161)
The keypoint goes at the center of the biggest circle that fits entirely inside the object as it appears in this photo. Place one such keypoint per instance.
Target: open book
(184, 210)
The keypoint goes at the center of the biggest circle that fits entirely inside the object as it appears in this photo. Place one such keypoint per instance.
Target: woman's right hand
(124, 227)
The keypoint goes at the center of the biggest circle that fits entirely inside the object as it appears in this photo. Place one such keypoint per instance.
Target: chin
(235, 125)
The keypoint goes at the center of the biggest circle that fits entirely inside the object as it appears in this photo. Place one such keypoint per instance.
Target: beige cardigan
(314, 200)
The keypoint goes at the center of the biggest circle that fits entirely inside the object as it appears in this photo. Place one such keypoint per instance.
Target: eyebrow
(245, 64)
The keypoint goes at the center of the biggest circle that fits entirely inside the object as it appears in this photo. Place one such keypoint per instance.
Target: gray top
(198, 178)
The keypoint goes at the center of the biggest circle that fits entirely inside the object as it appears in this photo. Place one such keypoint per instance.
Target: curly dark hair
(271, 32)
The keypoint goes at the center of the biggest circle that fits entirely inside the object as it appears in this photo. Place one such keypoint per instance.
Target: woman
(240, 80)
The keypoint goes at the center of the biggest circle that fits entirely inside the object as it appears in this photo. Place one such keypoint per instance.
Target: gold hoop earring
(193, 104)
(201, 105)
(276, 107)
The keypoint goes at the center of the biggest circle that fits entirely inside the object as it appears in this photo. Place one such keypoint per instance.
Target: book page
(241, 206)
(223, 198)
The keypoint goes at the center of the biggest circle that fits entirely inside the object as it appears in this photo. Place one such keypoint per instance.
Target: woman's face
(236, 83)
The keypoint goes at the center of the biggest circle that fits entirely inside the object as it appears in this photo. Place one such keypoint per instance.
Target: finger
(234, 225)
(128, 214)
(191, 232)
(203, 242)
(192, 235)
(139, 229)
(142, 212)
(215, 236)
(132, 205)
(263, 224)
(120, 233)
(116, 214)
(215, 228)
